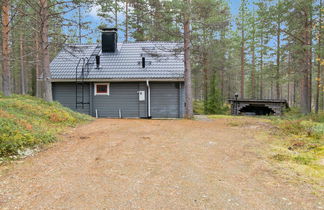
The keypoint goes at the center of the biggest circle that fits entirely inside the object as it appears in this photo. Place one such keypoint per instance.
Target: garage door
(165, 100)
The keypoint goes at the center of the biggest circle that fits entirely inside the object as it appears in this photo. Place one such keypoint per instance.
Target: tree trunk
(222, 64)
(139, 31)
(304, 91)
(205, 68)
(318, 81)
(278, 61)
(229, 87)
(6, 76)
(80, 25)
(187, 73)
(116, 14)
(310, 27)
(253, 69)
(289, 73)
(319, 58)
(222, 84)
(45, 59)
(261, 67)
(205, 71)
(22, 67)
(37, 68)
(229, 79)
(305, 78)
(242, 62)
(126, 21)
(271, 90)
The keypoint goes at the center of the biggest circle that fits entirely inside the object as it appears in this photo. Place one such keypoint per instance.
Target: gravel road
(152, 164)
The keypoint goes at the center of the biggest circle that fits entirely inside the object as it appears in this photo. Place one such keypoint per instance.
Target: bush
(302, 141)
(26, 122)
(294, 113)
(198, 107)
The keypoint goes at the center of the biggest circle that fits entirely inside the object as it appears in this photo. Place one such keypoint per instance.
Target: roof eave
(123, 80)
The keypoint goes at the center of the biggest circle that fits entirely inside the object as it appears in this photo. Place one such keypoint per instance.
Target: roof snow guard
(165, 61)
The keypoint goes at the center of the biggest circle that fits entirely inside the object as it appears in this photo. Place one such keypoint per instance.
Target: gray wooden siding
(123, 97)
(65, 93)
(165, 100)
(143, 104)
(182, 100)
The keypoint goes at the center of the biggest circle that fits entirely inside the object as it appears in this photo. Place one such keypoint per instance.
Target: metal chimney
(109, 40)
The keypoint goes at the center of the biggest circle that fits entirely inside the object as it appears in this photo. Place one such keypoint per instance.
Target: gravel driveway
(152, 164)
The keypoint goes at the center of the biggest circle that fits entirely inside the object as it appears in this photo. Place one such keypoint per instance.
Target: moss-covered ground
(27, 122)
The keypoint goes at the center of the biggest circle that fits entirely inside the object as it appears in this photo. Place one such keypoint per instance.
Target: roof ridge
(122, 43)
(94, 44)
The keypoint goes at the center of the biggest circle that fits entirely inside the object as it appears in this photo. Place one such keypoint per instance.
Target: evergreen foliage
(215, 104)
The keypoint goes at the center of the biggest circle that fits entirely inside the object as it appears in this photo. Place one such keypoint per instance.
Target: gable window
(101, 89)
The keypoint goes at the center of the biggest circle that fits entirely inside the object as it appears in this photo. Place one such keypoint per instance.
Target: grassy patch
(223, 117)
(26, 122)
(299, 143)
(296, 141)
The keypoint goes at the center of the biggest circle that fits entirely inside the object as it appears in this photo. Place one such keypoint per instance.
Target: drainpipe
(148, 100)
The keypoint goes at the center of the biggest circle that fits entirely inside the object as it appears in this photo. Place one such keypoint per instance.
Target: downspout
(148, 100)
(179, 100)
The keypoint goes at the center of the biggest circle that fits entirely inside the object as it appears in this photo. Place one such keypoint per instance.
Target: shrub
(198, 107)
(294, 114)
(302, 128)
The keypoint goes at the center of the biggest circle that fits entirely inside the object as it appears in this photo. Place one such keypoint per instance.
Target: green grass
(27, 122)
(299, 142)
(220, 116)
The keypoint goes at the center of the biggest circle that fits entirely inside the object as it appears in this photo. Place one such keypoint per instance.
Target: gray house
(120, 80)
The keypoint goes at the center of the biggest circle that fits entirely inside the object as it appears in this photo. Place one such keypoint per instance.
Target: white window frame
(102, 94)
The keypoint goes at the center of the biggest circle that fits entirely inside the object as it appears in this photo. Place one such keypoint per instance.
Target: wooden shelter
(258, 107)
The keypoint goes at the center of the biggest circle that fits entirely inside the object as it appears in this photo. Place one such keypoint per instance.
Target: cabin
(258, 107)
(120, 80)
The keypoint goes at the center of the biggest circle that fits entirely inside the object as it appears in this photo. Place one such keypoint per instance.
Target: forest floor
(155, 164)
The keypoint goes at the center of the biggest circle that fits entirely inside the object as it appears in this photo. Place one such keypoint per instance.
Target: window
(101, 89)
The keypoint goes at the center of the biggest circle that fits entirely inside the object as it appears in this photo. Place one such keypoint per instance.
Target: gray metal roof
(164, 60)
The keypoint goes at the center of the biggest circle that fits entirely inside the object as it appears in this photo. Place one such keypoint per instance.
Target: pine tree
(319, 57)
(242, 27)
(6, 74)
(214, 103)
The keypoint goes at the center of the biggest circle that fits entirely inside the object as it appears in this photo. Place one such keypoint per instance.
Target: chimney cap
(109, 29)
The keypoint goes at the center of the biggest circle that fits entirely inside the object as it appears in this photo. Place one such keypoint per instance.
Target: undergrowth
(200, 108)
(299, 142)
(26, 122)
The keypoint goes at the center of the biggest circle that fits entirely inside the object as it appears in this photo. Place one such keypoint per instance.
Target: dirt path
(152, 164)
